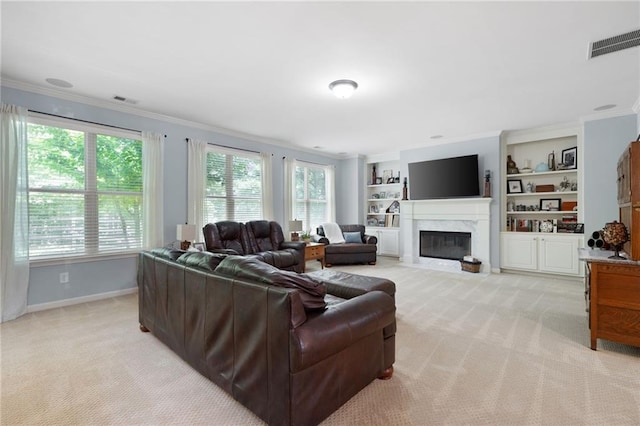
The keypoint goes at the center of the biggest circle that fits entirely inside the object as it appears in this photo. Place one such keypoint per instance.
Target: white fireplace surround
(454, 215)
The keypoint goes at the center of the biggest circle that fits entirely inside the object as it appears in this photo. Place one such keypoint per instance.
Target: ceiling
(455, 69)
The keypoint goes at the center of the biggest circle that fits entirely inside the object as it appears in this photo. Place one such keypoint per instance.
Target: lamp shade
(295, 225)
(186, 232)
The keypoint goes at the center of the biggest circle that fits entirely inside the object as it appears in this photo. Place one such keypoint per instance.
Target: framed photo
(570, 157)
(550, 204)
(386, 175)
(579, 228)
(514, 186)
(383, 195)
(199, 246)
(373, 208)
(378, 181)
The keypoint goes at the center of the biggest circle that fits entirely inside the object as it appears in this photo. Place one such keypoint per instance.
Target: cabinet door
(624, 177)
(558, 255)
(388, 243)
(519, 252)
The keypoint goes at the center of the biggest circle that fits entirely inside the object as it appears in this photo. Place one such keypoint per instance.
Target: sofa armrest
(298, 245)
(224, 251)
(369, 239)
(339, 326)
(319, 239)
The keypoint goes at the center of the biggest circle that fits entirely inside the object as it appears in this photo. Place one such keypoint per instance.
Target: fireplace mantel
(455, 214)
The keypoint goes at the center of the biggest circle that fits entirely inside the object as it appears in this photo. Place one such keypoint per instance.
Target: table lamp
(295, 226)
(186, 234)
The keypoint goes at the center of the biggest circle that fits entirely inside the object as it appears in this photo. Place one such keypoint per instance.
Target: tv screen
(445, 178)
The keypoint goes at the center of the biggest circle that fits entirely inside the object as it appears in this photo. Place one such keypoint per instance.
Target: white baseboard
(78, 300)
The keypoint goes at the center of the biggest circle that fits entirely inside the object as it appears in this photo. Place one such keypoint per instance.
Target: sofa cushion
(201, 259)
(167, 253)
(352, 237)
(311, 291)
(350, 248)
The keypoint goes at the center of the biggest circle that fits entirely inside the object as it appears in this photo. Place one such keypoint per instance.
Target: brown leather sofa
(258, 238)
(363, 251)
(290, 347)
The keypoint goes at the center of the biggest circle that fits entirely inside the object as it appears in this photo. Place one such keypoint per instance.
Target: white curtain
(14, 218)
(330, 173)
(152, 192)
(197, 166)
(267, 186)
(289, 196)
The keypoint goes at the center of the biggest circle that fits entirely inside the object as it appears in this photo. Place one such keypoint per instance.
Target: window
(233, 189)
(311, 200)
(85, 190)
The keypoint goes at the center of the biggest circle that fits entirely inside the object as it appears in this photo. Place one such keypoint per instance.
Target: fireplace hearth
(445, 245)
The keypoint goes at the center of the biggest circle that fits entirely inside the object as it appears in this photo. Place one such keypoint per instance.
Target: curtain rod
(229, 147)
(87, 121)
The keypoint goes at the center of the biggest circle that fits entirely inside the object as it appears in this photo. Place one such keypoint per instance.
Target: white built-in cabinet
(532, 252)
(382, 204)
(541, 208)
(388, 240)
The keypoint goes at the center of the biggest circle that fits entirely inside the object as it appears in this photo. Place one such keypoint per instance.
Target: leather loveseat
(290, 347)
(363, 250)
(258, 238)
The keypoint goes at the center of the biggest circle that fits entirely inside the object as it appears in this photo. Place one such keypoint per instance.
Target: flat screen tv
(444, 178)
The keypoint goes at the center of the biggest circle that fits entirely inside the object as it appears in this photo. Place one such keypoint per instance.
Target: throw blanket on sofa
(333, 233)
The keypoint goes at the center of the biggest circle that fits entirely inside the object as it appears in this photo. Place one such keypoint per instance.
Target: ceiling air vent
(614, 44)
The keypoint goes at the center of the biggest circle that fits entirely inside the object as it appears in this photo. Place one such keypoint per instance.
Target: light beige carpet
(502, 349)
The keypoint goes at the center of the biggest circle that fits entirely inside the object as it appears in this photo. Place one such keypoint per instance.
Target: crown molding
(610, 113)
(100, 103)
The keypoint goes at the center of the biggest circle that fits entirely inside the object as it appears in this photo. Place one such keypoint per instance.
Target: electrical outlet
(64, 277)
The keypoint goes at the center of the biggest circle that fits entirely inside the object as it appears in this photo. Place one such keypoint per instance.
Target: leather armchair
(349, 253)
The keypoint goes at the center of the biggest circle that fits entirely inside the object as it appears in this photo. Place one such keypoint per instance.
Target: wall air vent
(125, 100)
(614, 44)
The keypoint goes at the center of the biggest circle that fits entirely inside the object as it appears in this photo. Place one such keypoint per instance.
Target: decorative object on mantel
(487, 184)
(615, 233)
(404, 190)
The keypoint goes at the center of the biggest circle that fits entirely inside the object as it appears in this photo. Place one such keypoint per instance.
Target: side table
(313, 251)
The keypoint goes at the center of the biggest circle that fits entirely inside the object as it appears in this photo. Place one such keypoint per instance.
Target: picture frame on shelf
(199, 246)
(570, 158)
(373, 208)
(386, 174)
(378, 181)
(383, 195)
(514, 186)
(550, 204)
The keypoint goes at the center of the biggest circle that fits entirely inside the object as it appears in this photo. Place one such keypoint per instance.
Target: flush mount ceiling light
(343, 89)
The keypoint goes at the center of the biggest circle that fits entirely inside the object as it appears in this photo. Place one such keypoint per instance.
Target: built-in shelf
(545, 212)
(537, 194)
(554, 172)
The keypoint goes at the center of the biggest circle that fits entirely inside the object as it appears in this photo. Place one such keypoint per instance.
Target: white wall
(604, 141)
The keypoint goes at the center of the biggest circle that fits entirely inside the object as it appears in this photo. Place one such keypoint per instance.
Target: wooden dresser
(613, 297)
(629, 197)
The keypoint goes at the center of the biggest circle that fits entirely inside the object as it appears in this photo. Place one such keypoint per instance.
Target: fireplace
(445, 245)
(463, 215)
